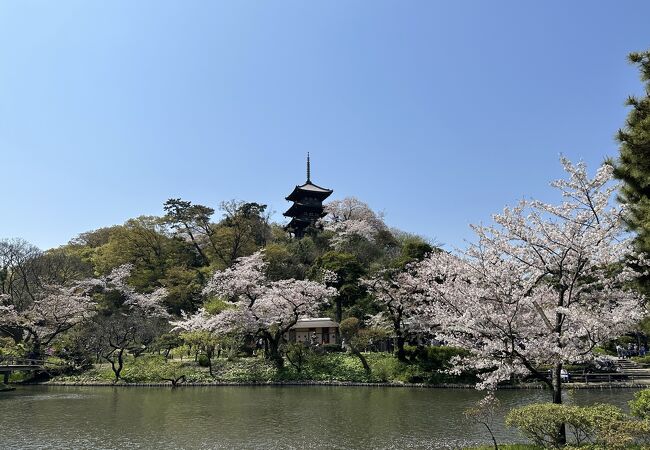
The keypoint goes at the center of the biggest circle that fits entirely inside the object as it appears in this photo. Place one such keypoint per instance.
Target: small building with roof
(315, 331)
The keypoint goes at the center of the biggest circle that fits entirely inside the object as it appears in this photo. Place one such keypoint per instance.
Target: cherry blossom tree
(40, 295)
(38, 311)
(542, 287)
(116, 281)
(351, 217)
(56, 310)
(206, 331)
(400, 295)
(267, 309)
(130, 326)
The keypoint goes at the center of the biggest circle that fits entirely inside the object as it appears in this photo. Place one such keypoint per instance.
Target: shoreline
(582, 386)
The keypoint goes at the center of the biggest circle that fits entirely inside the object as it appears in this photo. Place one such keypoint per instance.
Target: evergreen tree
(633, 165)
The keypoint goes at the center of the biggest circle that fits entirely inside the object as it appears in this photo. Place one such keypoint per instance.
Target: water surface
(238, 417)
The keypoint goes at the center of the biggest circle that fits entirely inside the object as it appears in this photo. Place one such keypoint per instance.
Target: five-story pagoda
(307, 205)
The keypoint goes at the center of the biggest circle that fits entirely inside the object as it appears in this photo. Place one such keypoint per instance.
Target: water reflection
(255, 417)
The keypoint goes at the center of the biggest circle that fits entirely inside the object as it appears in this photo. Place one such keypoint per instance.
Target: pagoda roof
(309, 189)
(297, 207)
(297, 223)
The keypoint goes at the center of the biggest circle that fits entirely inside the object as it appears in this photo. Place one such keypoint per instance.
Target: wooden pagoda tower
(307, 205)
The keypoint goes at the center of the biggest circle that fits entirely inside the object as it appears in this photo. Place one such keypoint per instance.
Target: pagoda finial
(308, 169)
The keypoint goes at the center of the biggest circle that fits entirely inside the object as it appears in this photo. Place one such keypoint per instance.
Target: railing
(12, 361)
(613, 377)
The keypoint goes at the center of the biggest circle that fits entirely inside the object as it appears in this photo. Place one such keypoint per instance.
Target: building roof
(309, 189)
(318, 322)
(298, 222)
(297, 208)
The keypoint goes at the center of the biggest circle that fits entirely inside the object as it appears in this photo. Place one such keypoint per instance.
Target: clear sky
(438, 113)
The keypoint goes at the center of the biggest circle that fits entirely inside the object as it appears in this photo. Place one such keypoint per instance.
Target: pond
(292, 417)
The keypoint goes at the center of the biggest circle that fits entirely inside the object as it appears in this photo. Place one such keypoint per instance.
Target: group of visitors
(630, 350)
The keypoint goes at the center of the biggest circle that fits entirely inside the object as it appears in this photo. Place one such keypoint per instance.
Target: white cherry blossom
(351, 217)
(265, 308)
(540, 288)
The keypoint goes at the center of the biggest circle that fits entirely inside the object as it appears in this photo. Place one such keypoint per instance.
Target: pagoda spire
(308, 169)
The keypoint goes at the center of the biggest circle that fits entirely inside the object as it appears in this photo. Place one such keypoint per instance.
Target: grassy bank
(330, 367)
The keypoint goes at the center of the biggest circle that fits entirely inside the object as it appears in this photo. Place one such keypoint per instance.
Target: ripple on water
(256, 417)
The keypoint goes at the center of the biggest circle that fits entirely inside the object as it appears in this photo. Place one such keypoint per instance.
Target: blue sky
(438, 113)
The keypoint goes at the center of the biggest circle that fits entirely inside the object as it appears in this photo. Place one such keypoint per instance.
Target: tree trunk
(362, 358)
(274, 351)
(557, 399)
(36, 350)
(399, 333)
(209, 355)
(204, 259)
(175, 381)
(401, 354)
(494, 440)
(117, 368)
(339, 309)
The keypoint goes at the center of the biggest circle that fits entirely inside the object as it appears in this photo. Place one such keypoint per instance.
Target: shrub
(335, 366)
(9, 348)
(640, 406)
(297, 354)
(600, 424)
(143, 369)
(600, 351)
(539, 422)
(384, 369)
(203, 361)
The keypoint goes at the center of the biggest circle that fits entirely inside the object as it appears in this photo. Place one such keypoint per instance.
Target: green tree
(158, 259)
(167, 342)
(413, 249)
(204, 342)
(348, 270)
(184, 285)
(191, 222)
(633, 165)
(355, 339)
(243, 230)
(281, 263)
(142, 242)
